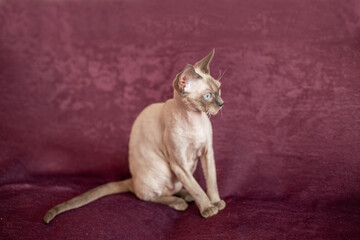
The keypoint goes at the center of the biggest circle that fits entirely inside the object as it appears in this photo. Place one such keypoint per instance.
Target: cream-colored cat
(166, 141)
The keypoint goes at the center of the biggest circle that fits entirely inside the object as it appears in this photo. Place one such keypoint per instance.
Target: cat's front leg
(209, 169)
(207, 209)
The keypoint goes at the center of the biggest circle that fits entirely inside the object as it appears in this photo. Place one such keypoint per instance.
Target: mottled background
(75, 74)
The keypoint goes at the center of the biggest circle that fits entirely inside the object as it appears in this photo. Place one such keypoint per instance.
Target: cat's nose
(220, 102)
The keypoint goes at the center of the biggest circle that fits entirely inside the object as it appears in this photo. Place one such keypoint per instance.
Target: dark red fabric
(75, 74)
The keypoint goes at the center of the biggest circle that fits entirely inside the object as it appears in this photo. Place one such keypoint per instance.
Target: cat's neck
(192, 116)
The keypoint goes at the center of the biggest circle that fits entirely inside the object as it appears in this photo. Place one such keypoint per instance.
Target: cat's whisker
(219, 74)
(220, 77)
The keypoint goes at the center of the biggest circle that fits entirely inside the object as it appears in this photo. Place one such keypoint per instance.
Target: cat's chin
(213, 112)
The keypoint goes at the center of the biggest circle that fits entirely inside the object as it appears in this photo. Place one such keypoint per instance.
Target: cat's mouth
(213, 111)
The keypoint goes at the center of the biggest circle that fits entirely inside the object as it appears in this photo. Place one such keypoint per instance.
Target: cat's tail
(90, 196)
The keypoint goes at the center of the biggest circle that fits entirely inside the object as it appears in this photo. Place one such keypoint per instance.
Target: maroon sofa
(75, 74)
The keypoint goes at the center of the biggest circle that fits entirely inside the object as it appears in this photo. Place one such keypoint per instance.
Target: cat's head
(197, 88)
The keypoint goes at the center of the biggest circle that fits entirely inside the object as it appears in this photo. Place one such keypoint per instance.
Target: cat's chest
(199, 132)
(189, 137)
(197, 138)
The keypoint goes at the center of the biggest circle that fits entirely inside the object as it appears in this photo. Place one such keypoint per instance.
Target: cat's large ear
(204, 63)
(184, 78)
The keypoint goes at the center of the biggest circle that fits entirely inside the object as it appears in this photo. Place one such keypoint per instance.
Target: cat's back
(147, 125)
(152, 111)
(145, 145)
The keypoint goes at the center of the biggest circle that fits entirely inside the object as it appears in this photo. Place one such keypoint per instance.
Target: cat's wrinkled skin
(166, 141)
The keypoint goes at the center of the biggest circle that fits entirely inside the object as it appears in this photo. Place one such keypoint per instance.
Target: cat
(166, 141)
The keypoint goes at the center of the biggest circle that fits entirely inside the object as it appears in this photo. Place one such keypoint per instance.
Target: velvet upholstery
(75, 74)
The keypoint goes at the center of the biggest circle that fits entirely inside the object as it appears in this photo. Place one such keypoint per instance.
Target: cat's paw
(220, 205)
(188, 198)
(179, 205)
(185, 195)
(209, 212)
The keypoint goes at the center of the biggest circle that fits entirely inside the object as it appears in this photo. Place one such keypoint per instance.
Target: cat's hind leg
(154, 192)
(184, 194)
(176, 203)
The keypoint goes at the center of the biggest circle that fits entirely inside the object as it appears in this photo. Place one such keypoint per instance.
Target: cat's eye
(207, 96)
